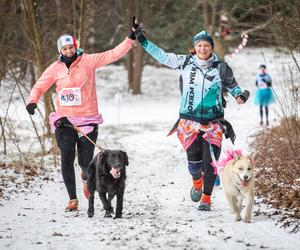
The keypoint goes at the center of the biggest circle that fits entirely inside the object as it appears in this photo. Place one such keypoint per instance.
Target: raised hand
(138, 30)
(135, 25)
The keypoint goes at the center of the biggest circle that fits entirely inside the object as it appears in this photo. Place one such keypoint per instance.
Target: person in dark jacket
(199, 128)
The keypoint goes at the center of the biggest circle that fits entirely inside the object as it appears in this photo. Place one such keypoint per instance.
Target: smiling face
(68, 50)
(203, 50)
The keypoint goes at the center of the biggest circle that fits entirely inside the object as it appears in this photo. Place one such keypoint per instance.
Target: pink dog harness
(229, 155)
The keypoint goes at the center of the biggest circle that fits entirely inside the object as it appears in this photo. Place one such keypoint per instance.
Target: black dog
(107, 174)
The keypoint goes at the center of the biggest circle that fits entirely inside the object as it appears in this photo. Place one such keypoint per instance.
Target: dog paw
(246, 220)
(238, 218)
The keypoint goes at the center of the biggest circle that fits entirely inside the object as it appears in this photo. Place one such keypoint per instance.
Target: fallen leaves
(277, 159)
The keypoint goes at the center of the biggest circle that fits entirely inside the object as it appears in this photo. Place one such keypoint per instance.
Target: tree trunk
(88, 37)
(137, 67)
(206, 15)
(34, 33)
(81, 15)
(221, 47)
(32, 74)
(36, 42)
(212, 24)
(135, 58)
(3, 136)
(129, 66)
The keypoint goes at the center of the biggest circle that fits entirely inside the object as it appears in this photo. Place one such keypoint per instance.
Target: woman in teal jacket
(201, 109)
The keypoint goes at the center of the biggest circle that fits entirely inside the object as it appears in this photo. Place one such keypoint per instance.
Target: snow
(158, 212)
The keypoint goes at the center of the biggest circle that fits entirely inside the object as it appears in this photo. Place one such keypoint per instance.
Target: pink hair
(74, 42)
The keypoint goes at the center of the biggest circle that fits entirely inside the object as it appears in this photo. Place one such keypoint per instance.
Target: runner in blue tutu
(264, 94)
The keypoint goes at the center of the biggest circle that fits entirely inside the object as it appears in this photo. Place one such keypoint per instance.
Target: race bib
(262, 85)
(70, 97)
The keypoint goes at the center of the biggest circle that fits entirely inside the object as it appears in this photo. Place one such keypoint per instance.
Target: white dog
(238, 183)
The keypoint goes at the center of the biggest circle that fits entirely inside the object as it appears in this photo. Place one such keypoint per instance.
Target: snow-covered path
(158, 213)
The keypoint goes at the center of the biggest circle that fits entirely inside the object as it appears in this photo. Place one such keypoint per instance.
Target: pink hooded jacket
(81, 77)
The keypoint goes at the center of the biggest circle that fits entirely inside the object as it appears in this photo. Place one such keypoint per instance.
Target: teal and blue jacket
(201, 98)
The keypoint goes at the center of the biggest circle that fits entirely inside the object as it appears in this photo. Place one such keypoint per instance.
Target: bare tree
(227, 20)
(135, 59)
(286, 25)
(33, 33)
(86, 34)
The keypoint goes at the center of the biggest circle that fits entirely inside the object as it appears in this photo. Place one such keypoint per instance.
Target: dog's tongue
(115, 173)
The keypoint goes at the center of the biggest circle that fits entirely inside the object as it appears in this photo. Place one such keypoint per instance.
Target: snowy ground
(158, 213)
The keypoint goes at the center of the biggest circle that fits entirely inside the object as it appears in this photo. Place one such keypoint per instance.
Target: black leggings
(67, 139)
(199, 152)
(261, 113)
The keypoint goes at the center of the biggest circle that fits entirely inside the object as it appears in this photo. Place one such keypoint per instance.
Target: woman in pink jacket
(76, 104)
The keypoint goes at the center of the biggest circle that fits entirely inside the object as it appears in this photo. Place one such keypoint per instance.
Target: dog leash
(97, 146)
(85, 135)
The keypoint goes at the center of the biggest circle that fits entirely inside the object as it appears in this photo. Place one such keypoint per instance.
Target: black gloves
(138, 31)
(245, 95)
(135, 25)
(31, 107)
(131, 35)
